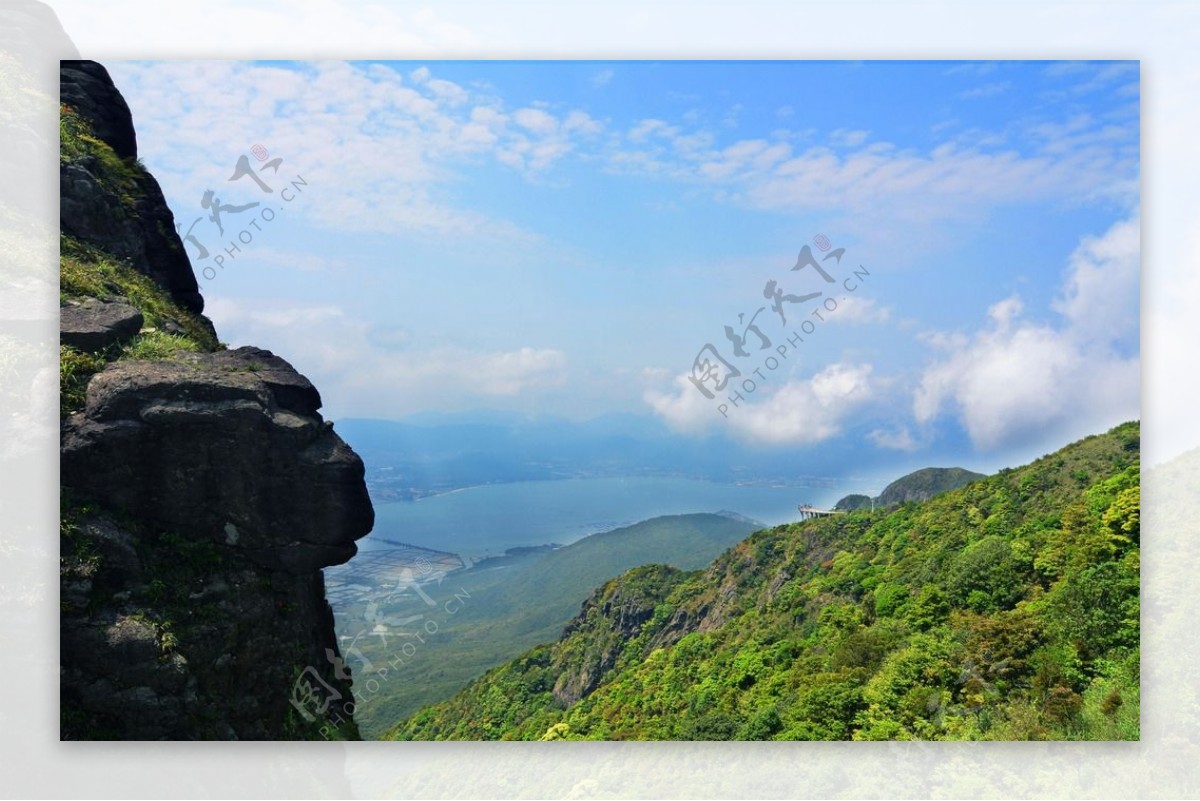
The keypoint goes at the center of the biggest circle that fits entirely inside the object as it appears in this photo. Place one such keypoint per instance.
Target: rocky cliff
(202, 492)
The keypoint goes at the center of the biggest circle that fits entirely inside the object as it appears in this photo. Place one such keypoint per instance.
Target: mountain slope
(520, 601)
(1007, 609)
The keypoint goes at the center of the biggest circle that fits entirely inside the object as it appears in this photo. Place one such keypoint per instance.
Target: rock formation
(202, 490)
(112, 203)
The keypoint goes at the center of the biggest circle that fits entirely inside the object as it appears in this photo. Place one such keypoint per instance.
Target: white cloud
(807, 412)
(448, 91)
(972, 68)
(985, 90)
(230, 314)
(899, 440)
(685, 409)
(579, 121)
(1100, 295)
(651, 127)
(845, 137)
(748, 156)
(943, 340)
(385, 148)
(302, 261)
(1091, 76)
(1016, 378)
(1004, 312)
(373, 370)
(800, 412)
(602, 78)
(860, 310)
(655, 374)
(1047, 158)
(536, 121)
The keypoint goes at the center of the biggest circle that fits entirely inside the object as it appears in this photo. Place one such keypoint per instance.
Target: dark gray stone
(291, 390)
(87, 87)
(137, 226)
(203, 445)
(194, 619)
(206, 494)
(92, 325)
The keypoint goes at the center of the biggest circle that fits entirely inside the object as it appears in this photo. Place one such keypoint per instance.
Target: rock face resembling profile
(202, 491)
(226, 447)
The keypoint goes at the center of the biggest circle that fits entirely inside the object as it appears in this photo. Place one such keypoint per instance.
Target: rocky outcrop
(202, 492)
(93, 324)
(170, 636)
(613, 615)
(226, 447)
(87, 87)
(119, 207)
(196, 598)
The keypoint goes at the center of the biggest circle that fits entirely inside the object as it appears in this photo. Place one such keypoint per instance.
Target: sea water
(487, 520)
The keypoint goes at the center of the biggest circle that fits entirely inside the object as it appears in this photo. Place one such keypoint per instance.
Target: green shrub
(75, 369)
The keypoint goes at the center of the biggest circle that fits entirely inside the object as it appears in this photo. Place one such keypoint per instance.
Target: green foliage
(74, 371)
(1007, 609)
(78, 143)
(853, 503)
(986, 576)
(926, 483)
(157, 345)
(906, 698)
(87, 272)
(524, 601)
(1122, 519)
(888, 598)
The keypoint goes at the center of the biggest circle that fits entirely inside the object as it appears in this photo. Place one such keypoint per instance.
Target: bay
(487, 520)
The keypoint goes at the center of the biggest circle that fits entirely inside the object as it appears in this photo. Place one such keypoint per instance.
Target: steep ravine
(202, 492)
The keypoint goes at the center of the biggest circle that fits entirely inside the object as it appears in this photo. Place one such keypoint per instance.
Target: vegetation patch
(168, 328)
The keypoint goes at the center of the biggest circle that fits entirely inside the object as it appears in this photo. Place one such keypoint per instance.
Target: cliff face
(107, 200)
(202, 491)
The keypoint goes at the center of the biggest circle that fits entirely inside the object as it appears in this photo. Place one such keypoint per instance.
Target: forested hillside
(1007, 609)
(520, 601)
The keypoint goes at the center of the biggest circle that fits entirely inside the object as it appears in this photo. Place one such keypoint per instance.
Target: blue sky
(564, 237)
